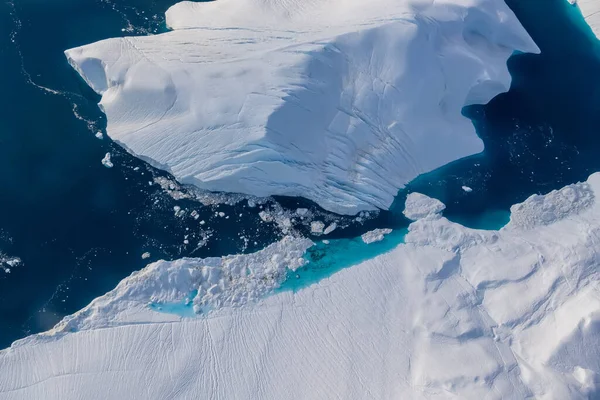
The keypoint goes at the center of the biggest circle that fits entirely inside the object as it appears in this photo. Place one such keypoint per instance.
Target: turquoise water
(183, 308)
(325, 259)
(80, 228)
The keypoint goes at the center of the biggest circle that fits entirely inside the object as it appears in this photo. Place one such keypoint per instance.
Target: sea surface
(79, 227)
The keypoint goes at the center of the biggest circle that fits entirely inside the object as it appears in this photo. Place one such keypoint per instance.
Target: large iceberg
(339, 101)
(453, 313)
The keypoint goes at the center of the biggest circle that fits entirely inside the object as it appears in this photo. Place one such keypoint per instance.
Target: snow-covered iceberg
(454, 313)
(338, 101)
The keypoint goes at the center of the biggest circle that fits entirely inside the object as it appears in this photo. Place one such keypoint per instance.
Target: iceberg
(340, 102)
(452, 313)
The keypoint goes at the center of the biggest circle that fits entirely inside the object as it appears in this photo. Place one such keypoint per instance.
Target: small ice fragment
(99, 135)
(330, 228)
(301, 211)
(106, 161)
(221, 214)
(467, 189)
(145, 255)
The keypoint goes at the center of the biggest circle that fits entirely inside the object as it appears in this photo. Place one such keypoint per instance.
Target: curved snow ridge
(230, 281)
(341, 102)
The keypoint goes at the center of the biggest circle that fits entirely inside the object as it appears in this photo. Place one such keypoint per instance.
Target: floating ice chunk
(145, 255)
(332, 227)
(99, 135)
(419, 206)
(317, 227)
(8, 262)
(467, 189)
(106, 161)
(376, 235)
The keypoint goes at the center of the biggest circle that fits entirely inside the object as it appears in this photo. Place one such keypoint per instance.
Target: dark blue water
(79, 227)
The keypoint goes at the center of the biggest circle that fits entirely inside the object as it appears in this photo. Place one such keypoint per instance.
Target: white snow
(376, 235)
(338, 101)
(454, 313)
(467, 189)
(591, 12)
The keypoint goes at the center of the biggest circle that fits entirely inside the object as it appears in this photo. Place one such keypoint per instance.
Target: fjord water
(80, 227)
(541, 135)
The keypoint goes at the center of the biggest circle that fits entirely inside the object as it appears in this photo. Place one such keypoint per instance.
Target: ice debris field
(303, 98)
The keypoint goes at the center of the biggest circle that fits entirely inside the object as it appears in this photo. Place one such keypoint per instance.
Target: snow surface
(454, 313)
(339, 101)
(591, 12)
(420, 206)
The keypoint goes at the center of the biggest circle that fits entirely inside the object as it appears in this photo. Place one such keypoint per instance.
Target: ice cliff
(338, 101)
(453, 313)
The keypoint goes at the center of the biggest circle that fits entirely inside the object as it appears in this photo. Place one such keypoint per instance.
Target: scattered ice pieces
(376, 235)
(467, 189)
(107, 162)
(7, 262)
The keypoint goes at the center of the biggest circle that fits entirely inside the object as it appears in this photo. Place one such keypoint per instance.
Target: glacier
(452, 313)
(341, 102)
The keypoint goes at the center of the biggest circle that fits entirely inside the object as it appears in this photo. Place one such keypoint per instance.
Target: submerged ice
(302, 99)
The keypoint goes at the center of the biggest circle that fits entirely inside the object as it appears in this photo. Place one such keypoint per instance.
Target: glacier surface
(453, 313)
(339, 101)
